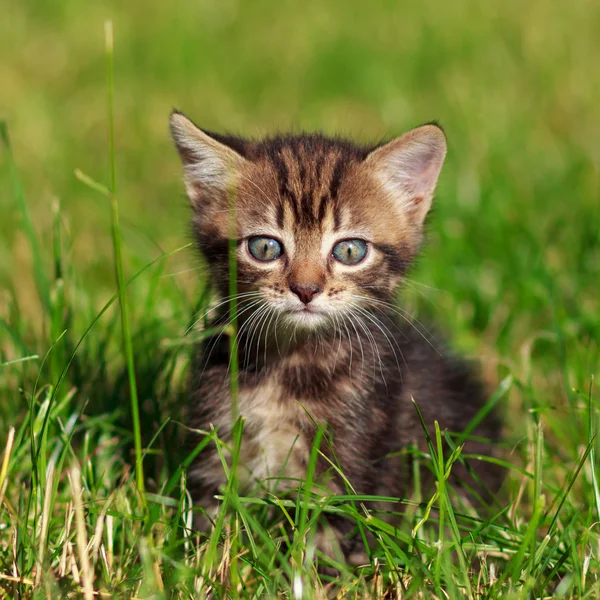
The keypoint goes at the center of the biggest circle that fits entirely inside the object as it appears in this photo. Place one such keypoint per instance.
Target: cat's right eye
(264, 248)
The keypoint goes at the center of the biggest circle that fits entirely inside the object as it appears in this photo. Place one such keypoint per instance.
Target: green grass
(511, 272)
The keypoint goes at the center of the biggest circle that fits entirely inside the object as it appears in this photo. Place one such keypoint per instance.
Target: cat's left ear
(209, 165)
(408, 167)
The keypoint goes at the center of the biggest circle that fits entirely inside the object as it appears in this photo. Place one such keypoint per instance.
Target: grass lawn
(93, 499)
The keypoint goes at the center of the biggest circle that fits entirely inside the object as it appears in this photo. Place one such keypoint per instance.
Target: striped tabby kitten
(325, 231)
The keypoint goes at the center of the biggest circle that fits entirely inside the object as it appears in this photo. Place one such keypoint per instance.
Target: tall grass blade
(233, 313)
(594, 419)
(118, 258)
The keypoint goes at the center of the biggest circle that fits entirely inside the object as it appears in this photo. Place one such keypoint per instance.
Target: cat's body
(325, 232)
(366, 400)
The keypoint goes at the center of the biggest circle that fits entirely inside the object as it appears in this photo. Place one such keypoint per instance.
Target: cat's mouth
(307, 309)
(307, 315)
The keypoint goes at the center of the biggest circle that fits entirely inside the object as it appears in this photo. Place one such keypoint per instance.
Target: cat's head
(321, 225)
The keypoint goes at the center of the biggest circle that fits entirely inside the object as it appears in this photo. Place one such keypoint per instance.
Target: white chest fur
(274, 449)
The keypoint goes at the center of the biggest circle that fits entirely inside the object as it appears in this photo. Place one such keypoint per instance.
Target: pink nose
(306, 292)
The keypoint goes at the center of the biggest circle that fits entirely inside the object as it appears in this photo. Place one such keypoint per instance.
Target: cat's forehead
(297, 180)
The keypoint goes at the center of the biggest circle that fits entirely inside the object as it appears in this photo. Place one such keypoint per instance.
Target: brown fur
(356, 367)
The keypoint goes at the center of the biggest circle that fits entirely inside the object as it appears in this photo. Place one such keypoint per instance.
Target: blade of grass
(118, 258)
(304, 498)
(233, 344)
(560, 543)
(17, 361)
(231, 489)
(57, 296)
(445, 498)
(502, 390)
(170, 486)
(334, 462)
(567, 487)
(81, 535)
(517, 562)
(8, 447)
(592, 436)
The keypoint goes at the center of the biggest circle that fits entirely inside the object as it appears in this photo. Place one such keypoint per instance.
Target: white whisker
(402, 313)
(371, 339)
(223, 301)
(381, 326)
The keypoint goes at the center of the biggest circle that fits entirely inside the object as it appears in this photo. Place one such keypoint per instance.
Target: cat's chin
(306, 319)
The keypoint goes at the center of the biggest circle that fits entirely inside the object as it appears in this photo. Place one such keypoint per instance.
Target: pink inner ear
(415, 170)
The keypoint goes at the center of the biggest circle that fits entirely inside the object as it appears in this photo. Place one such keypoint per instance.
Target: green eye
(350, 252)
(264, 248)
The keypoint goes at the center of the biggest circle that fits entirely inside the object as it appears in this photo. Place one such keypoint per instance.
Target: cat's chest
(275, 447)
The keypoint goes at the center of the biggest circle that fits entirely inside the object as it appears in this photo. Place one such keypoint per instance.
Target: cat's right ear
(209, 165)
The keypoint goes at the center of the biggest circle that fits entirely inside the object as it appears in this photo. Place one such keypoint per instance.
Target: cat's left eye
(264, 248)
(350, 252)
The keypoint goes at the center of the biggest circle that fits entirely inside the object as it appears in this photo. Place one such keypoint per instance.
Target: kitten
(324, 231)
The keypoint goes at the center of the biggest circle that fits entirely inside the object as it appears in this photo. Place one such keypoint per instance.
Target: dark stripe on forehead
(281, 170)
(334, 186)
(322, 208)
(307, 182)
(336, 178)
(308, 217)
(318, 166)
(337, 218)
(285, 193)
(280, 214)
(302, 205)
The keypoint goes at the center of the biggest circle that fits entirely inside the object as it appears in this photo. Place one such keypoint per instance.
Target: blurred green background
(514, 241)
(511, 270)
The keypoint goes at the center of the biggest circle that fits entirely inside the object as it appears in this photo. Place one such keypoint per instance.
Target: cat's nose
(306, 292)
